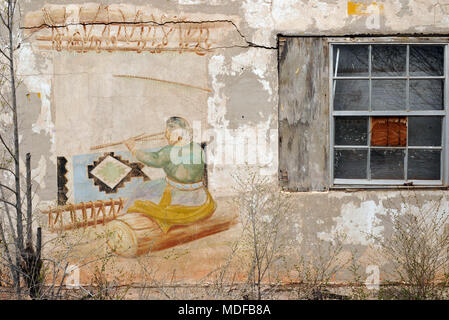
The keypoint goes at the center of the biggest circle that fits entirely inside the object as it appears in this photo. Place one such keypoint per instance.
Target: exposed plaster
(217, 102)
(38, 81)
(356, 223)
(73, 21)
(357, 214)
(261, 64)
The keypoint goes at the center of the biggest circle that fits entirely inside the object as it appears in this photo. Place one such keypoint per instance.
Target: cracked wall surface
(75, 50)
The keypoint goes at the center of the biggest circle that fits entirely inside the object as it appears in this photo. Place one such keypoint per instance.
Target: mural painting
(158, 214)
(126, 62)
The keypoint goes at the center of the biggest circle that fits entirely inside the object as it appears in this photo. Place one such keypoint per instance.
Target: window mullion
(368, 157)
(407, 104)
(444, 154)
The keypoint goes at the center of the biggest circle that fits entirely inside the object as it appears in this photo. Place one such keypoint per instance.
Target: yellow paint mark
(282, 107)
(39, 95)
(363, 9)
(297, 71)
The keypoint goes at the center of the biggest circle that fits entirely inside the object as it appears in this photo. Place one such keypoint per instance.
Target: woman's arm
(156, 159)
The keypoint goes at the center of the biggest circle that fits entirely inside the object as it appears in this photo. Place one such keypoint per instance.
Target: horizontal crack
(152, 22)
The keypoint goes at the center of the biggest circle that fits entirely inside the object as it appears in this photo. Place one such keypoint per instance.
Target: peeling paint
(259, 62)
(249, 55)
(217, 102)
(363, 9)
(357, 222)
(38, 82)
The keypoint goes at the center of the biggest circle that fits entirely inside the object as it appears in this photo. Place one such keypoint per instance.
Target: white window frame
(443, 113)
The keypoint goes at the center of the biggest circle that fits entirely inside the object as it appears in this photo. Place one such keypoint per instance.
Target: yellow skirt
(167, 215)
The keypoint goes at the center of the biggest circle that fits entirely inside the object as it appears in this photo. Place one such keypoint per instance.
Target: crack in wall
(249, 44)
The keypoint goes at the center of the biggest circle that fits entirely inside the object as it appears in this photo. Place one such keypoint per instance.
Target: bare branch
(7, 188)
(4, 77)
(8, 215)
(29, 201)
(7, 148)
(14, 3)
(3, 21)
(8, 255)
(7, 170)
(7, 202)
(6, 102)
(4, 54)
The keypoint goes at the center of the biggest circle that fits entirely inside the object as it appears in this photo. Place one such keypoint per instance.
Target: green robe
(169, 205)
(183, 164)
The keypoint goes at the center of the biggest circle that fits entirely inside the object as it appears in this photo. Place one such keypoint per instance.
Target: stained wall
(225, 55)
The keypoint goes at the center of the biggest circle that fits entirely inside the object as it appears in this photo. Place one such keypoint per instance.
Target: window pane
(387, 164)
(389, 131)
(426, 60)
(389, 60)
(425, 131)
(351, 95)
(350, 164)
(424, 164)
(352, 60)
(426, 94)
(389, 95)
(350, 131)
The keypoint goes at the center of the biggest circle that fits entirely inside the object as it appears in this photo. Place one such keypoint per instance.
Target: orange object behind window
(389, 131)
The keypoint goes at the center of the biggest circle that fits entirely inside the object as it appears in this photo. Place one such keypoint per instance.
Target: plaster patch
(40, 83)
(258, 15)
(38, 173)
(422, 13)
(217, 102)
(302, 16)
(430, 210)
(256, 59)
(356, 223)
(260, 63)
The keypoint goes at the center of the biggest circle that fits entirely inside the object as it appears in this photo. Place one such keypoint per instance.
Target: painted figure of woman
(181, 198)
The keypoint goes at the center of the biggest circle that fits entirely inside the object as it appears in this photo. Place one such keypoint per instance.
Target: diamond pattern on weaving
(111, 171)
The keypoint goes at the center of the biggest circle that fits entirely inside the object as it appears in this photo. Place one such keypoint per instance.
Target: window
(388, 105)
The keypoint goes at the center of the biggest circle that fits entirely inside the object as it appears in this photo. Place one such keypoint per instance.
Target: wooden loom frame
(98, 214)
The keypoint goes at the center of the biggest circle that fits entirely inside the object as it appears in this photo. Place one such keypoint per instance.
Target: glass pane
(351, 95)
(389, 95)
(426, 60)
(425, 131)
(424, 164)
(352, 60)
(389, 131)
(350, 164)
(426, 94)
(350, 131)
(389, 60)
(387, 164)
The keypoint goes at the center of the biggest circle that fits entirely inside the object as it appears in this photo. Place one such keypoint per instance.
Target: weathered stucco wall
(72, 99)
